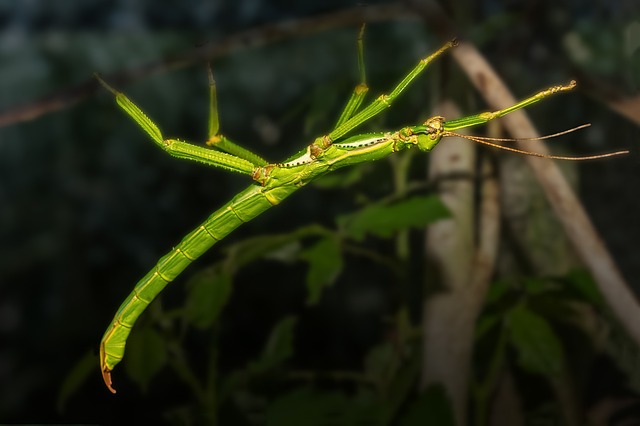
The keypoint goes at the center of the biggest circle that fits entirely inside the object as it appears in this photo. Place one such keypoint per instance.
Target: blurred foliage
(88, 205)
(209, 291)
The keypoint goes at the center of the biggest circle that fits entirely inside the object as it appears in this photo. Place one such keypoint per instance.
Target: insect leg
(222, 143)
(360, 91)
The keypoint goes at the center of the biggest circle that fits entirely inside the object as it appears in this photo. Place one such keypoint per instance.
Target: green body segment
(376, 146)
(281, 182)
(476, 119)
(200, 154)
(275, 182)
(242, 208)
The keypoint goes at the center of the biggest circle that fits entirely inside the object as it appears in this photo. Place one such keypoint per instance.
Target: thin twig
(626, 105)
(252, 38)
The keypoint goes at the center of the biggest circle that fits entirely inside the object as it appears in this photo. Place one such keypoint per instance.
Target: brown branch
(626, 107)
(464, 268)
(623, 104)
(576, 223)
(449, 311)
(252, 38)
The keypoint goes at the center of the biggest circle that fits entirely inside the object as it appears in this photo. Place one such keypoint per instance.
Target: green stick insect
(273, 182)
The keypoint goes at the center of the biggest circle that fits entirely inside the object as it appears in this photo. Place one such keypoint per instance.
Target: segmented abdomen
(242, 208)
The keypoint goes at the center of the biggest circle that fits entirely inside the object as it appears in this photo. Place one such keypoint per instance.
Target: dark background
(88, 204)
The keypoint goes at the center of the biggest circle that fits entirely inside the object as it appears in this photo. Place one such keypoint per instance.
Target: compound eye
(434, 125)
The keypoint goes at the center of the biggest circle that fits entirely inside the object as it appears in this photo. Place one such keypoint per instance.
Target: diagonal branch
(248, 39)
(624, 104)
(575, 221)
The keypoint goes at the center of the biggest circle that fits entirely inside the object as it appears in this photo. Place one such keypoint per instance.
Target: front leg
(350, 119)
(360, 91)
(178, 148)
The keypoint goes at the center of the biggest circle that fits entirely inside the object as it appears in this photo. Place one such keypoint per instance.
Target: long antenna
(489, 141)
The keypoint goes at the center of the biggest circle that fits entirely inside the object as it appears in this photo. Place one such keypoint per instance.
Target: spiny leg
(360, 91)
(483, 117)
(220, 142)
(436, 128)
(382, 102)
(214, 122)
(178, 148)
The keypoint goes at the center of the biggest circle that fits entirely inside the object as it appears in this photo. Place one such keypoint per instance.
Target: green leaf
(402, 384)
(307, 407)
(279, 346)
(487, 322)
(209, 292)
(342, 178)
(76, 378)
(277, 349)
(251, 249)
(539, 348)
(287, 253)
(325, 264)
(385, 220)
(379, 363)
(583, 283)
(497, 291)
(538, 286)
(404, 328)
(432, 407)
(146, 355)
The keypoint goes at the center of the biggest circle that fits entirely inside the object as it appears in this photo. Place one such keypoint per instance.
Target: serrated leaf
(78, 375)
(432, 407)
(539, 348)
(325, 264)
(279, 346)
(146, 355)
(385, 220)
(209, 292)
